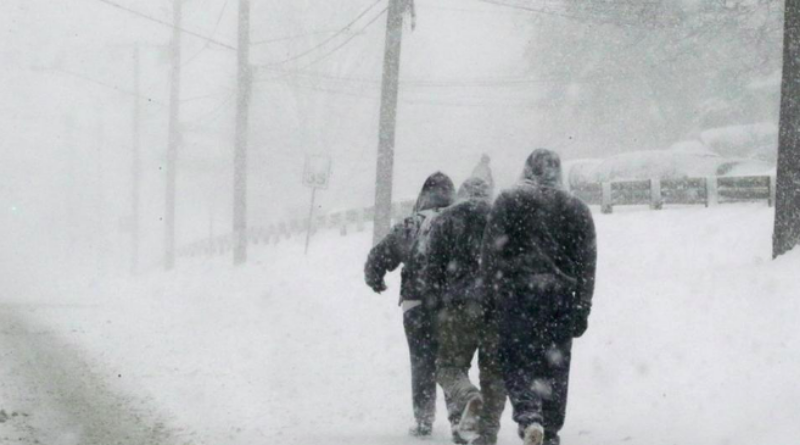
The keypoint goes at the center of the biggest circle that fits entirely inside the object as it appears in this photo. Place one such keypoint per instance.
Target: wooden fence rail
(654, 193)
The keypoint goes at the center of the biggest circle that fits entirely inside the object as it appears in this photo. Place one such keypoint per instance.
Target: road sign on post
(317, 175)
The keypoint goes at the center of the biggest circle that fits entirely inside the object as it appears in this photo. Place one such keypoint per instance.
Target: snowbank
(688, 159)
(757, 141)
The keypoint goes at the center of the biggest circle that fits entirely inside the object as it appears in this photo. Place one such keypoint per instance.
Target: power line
(106, 85)
(206, 119)
(204, 96)
(478, 82)
(584, 19)
(331, 38)
(331, 52)
(348, 40)
(439, 103)
(292, 37)
(167, 24)
(213, 33)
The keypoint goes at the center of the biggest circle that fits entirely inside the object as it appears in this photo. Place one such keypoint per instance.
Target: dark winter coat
(539, 251)
(400, 245)
(452, 272)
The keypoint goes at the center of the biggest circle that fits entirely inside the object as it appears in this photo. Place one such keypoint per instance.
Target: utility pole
(100, 235)
(240, 147)
(388, 120)
(136, 165)
(71, 186)
(786, 234)
(174, 137)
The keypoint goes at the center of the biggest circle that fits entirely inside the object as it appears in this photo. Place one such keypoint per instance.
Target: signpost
(317, 175)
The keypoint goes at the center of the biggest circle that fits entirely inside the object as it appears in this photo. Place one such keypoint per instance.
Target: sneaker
(468, 425)
(552, 440)
(457, 436)
(485, 440)
(421, 430)
(533, 434)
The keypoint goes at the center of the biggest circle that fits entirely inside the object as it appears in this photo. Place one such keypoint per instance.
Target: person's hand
(377, 285)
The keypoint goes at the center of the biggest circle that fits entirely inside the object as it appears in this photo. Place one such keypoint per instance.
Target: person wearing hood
(484, 171)
(452, 274)
(538, 257)
(406, 244)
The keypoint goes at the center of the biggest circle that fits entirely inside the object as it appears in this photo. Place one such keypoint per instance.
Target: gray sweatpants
(462, 331)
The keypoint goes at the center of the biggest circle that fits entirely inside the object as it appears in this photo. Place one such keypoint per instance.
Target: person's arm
(385, 257)
(586, 266)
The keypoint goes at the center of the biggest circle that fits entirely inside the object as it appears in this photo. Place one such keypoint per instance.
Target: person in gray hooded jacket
(539, 258)
(406, 244)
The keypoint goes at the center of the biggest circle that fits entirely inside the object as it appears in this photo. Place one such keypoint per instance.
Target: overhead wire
(292, 37)
(203, 119)
(585, 19)
(331, 38)
(213, 33)
(345, 42)
(167, 24)
(107, 85)
(287, 73)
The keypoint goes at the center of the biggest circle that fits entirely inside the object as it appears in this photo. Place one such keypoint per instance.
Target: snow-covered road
(693, 339)
(53, 394)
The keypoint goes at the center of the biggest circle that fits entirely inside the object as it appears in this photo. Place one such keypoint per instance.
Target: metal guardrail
(654, 193)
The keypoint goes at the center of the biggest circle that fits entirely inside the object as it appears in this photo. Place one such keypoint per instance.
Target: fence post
(656, 203)
(607, 206)
(360, 218)
(343, 223)
(712, 193)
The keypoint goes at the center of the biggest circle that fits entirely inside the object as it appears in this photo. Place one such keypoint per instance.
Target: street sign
(317, 172)
(316, 175)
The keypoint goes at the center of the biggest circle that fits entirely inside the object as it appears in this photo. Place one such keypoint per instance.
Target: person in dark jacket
(453, 276)
(406, 244)
(539, 257)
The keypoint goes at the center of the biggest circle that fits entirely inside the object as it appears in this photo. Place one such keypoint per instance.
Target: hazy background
(587, 78)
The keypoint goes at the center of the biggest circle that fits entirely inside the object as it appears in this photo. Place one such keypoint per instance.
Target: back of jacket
(403, 244)
(452, 274)
(401, 247)
(534, 232)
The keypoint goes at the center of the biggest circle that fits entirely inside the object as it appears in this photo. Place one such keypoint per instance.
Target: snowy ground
(693, 340)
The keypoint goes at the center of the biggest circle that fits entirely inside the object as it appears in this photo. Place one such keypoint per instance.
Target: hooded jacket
(484, 171)
(452, 272)
(539, 250)
(400, 246)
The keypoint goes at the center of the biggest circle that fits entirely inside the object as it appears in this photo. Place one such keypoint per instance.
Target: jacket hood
(484, 171)
(438, 191)
(543, 168)
(474, 188)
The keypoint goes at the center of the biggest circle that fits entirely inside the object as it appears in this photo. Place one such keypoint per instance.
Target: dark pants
(462, 331)
(422, 347)
(535, 370)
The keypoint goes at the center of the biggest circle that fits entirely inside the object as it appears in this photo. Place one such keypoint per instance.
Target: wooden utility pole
(136, 167)
(786, 234)
(240, 147)
(388, 120)
(174, 137)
